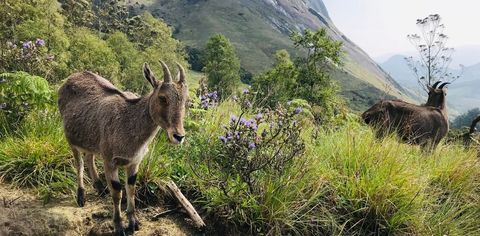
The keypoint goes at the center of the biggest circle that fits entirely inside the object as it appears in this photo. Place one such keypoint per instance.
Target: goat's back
(87, 102)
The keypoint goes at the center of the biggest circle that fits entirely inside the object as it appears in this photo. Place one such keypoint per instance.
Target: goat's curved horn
(443, 85)
(167, 76)
(181, 72)
(436, 84)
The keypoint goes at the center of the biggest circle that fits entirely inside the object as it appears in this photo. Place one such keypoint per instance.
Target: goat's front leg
(111, 174)
(133, 223)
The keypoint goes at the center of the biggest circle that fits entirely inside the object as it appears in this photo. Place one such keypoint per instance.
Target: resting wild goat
(101, 120)
(423, 125)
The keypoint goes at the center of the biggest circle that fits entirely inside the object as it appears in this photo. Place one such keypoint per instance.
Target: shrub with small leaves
(21, 93)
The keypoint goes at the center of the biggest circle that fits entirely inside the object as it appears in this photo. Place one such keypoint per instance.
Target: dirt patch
(21, 213)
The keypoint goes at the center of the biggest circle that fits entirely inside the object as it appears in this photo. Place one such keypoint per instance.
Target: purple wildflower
(248, 123)
(233, 118)
(40, 42)
(223, 139)
(251, 145)
(229, 136)
(214, 95)
(246, 91)
(205, 104)
(259, 116)
(297, 110)
(3, 105)
(237, 135)
(27, 44)
(243, 121)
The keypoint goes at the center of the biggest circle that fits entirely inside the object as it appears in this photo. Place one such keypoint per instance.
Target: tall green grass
(37, 156)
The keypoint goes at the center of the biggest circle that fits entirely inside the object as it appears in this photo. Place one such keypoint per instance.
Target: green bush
(21, 93)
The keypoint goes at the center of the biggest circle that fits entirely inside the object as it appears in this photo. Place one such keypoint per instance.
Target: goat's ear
(148, 74)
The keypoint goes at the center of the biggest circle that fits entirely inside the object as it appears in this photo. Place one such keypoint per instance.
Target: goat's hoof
(102, 190)
(133, 223)
(81, 197)
(133, 226)
(119, 231)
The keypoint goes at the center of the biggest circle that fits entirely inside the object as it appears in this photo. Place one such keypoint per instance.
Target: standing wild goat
(101, 120)
(424, 125)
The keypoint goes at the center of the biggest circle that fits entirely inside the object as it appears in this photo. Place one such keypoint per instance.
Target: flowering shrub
(265, 143)
(209, 100)
(29, 56)
(255, 145)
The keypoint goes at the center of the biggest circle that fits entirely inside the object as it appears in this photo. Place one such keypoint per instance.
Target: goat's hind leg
(133, 223)
(99, 186)
(80, 186)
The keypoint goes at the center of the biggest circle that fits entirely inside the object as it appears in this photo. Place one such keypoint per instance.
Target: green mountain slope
(258, 28)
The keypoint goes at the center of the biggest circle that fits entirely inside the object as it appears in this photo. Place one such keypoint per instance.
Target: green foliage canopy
(222, 66)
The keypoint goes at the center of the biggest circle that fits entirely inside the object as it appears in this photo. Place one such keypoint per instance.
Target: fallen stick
(164, 213)
(197, 220)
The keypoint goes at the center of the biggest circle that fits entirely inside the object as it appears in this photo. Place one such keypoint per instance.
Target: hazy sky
(380, 27)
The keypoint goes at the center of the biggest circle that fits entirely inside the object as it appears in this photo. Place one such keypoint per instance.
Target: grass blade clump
(38, 156)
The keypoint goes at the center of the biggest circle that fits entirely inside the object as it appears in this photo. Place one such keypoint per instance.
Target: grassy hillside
(257, 29)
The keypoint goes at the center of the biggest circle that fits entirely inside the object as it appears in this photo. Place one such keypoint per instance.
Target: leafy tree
(109, 15)
(246, 76)
(92, 53)
(313, 81)
(78, 12)
(130, 60)
(277, 84)
(222, 65)
(195, 58)
(435, 57)
(466, 118)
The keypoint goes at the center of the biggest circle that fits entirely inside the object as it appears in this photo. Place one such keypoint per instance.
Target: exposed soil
(21, 213)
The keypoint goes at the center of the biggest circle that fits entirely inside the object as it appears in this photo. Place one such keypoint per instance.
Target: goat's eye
(162, 99)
